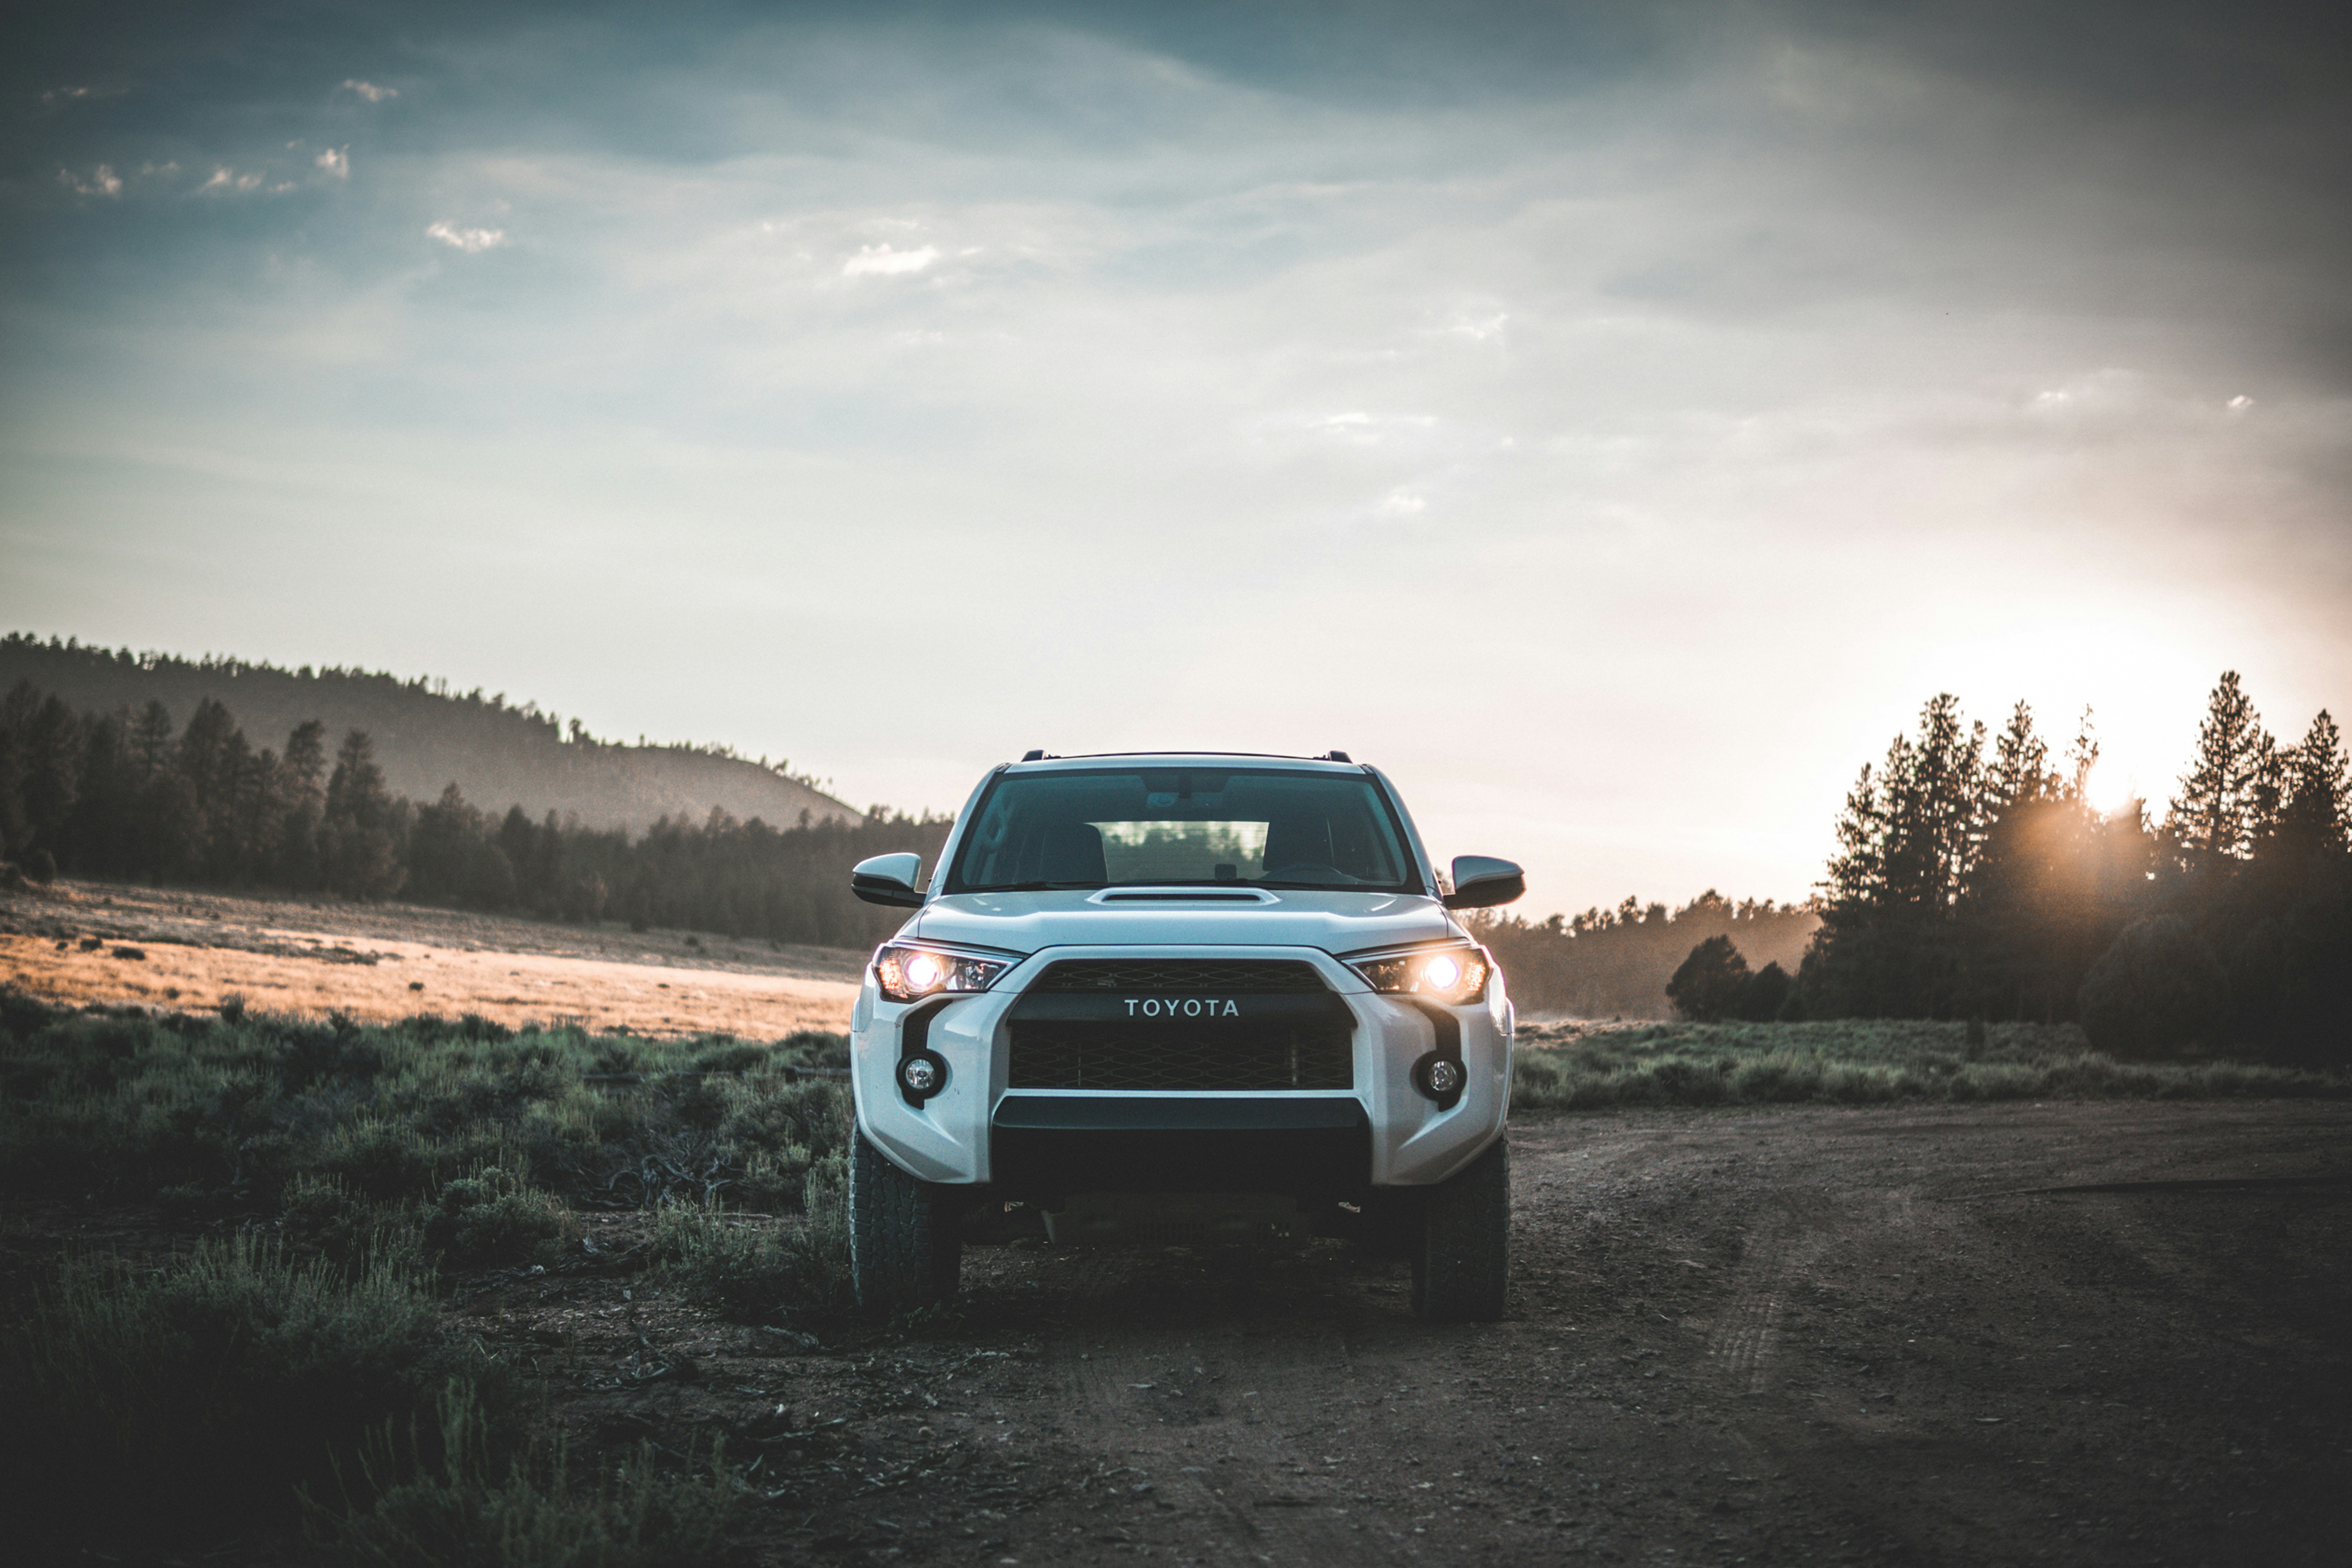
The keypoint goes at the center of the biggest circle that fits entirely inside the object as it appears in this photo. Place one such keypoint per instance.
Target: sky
(1615, 421)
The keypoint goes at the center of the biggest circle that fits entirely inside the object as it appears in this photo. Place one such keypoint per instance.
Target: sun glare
(2111, 789)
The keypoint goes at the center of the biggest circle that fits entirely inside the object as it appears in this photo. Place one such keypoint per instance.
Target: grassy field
(1862, 1062)
(339, 1180)
(323, 1197)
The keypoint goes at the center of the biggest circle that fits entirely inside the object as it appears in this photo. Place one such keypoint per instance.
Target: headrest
(1073, 852)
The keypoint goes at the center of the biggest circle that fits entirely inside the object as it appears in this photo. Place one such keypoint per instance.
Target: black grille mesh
(1059, 1054)
(1191, 976)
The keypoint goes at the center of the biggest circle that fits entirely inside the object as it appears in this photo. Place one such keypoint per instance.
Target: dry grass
(379, 964)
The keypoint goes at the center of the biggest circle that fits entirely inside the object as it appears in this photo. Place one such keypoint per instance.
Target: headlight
(908, 971)
(1453, 974)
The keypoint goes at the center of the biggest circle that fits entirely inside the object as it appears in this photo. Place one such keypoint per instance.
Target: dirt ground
(76, 943)
(2045, 1333)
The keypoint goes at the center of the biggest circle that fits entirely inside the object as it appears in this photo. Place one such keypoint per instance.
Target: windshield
(1109, 827)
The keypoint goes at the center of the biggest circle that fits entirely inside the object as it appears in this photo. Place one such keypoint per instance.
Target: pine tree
(16, 711)
(103, 827)
(150, 739)
(2228, 799)
(2083, 759)
(302, 803)
(2020, 773)
(356, 834)
(1934, 805)
(52, 761)
(1857, 876)
(2316, 816)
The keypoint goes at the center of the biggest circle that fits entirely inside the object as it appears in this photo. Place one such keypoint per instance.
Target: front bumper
(1380, 1133)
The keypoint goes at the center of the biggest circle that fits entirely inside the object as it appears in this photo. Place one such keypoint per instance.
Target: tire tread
(1461, 1259)
(905, 1247)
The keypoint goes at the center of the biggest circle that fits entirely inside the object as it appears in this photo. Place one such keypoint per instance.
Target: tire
(1462, 1259)
(906, 1244)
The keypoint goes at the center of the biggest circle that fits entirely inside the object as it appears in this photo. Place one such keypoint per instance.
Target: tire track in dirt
(1773, 1253)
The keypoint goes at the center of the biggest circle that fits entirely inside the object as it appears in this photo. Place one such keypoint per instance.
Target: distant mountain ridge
(427, 736)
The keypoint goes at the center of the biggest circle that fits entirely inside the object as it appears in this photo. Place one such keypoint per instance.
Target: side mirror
(887, 879)
(1481, 881)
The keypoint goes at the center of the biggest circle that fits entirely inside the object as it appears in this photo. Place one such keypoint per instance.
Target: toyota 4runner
(1184, 998)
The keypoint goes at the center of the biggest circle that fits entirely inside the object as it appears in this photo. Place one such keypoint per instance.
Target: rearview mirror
(889, 880)
(1481, 881)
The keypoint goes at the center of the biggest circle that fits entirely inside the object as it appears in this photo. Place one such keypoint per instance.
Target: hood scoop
(1184, 895)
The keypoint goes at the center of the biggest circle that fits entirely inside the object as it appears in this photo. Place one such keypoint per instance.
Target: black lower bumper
(1045, 1146)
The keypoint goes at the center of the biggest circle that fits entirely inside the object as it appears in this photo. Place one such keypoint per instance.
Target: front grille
(1122, 1024)
(1191, 976)
(1053, 1053)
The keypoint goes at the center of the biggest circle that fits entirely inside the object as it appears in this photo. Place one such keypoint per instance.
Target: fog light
(922, 1075)
(1440, 1077)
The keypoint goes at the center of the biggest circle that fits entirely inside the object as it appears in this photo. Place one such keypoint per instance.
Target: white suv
(1185, 998)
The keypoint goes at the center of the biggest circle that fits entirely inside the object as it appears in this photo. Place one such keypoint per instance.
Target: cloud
(58, 95)
(1780, 295)
(227, 179)
(889, 262)
(471, 241)
(102, 182)
(335, 160)
(1357, 428)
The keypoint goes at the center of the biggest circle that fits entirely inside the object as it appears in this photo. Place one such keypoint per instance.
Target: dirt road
(2050, 1333)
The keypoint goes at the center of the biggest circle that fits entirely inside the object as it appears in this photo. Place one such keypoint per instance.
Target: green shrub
(179, 1406)
(1858, 1062)
(756, 1268)
(458, 1507)
(494, 1217)
(234, 1110)
(324, 1217)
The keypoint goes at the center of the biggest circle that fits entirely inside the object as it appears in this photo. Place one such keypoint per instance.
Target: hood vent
(1205, 895)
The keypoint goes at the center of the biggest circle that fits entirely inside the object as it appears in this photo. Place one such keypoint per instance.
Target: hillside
(427, 736)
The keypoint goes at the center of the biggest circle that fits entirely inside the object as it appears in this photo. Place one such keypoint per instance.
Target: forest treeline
(130, 795)
(427, 734)
(1976, 879)
(1973, 879)
(1619, 963)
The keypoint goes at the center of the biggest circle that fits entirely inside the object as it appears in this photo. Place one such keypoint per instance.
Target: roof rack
(1040, 755)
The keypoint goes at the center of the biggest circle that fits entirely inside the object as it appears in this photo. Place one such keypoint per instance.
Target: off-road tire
(1462, 1259)
(906, 1244)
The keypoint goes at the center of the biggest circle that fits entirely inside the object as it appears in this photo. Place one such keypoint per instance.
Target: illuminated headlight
(1454, 975)
(907, 972)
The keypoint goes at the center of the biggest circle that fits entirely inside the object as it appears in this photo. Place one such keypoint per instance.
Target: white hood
(1336, 921)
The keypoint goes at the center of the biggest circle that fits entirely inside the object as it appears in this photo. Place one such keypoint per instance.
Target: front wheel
(1461, 1259)
(905, 1247)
